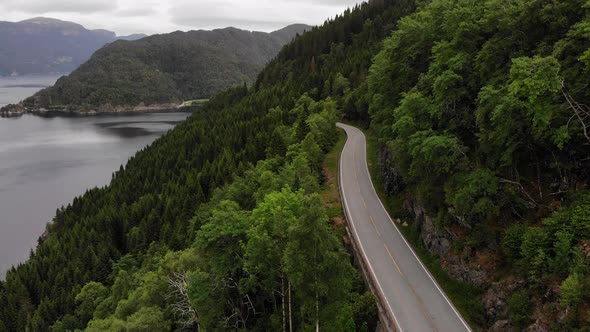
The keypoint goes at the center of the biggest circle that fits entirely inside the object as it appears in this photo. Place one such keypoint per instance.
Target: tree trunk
(317, 313)
(290, 311)
(283, 300)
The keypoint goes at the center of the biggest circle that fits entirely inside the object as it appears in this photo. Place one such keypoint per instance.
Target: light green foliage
(535, 242)
(536, 80)
(111, 324)
(144, 320)
(323, 124)
(416, 109)
(147, 319)
(267, 237)
(473, 195)
(571, 291)
(525, 110)
(562, 248)
(317, 266)
(433, 156)
(533, 78)
(91, 295)
(140, 295)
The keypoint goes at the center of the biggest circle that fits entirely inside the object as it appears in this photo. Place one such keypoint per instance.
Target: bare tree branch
(532, 201)
(581, 111)
(182, 306)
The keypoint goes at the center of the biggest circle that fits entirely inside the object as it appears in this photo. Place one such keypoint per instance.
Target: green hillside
(166, 68)
(480, 110)
(478, 116)
(225, 206)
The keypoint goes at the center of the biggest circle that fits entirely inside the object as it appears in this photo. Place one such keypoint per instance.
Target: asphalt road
(412, 296)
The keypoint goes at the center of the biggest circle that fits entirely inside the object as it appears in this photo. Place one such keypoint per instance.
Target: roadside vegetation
(479, 111)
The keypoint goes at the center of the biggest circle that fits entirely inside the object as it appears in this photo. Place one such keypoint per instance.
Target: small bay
(15, 89)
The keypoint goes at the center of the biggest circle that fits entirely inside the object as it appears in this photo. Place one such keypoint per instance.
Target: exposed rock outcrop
(392, 181)
(12, 110)
(503, 326)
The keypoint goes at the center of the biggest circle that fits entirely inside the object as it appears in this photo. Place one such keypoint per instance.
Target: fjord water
(46, 162)
(15, 89)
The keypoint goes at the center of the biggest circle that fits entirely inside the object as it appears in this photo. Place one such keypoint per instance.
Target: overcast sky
(153, 16)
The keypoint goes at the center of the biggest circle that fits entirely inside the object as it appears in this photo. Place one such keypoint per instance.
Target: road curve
(411, 295)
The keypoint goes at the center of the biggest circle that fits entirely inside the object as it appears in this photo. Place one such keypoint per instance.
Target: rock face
(392, 181)
(437, 241)
(538, 327)
(503, 326)
(495, 304)
(460, 270)
(12, 110)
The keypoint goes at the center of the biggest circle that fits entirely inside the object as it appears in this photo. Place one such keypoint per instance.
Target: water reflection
(46, 162)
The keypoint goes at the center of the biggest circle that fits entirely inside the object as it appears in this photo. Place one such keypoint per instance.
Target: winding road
(409, 293)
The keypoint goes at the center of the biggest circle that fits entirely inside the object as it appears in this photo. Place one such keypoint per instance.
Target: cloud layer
(130, 16)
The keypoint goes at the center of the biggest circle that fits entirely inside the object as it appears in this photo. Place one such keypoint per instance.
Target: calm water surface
(46, 162)
(15, 89)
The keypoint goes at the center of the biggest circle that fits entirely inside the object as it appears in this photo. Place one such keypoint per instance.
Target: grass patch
(466, 297)
(330, 192)
(195, 102)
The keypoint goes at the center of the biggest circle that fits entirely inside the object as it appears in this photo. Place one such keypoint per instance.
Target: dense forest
(480, 109)
(217, 224)
(166, 68)
(478, 114)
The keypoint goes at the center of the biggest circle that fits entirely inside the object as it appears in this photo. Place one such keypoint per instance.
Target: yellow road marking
(421, 305)
(392, 259)
(376, 229)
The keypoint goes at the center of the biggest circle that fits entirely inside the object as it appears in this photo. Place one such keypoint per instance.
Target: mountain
(478, 128)
(167, 68)
(45, 45)
(287, 33)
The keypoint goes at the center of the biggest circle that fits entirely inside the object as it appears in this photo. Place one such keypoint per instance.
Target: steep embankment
(167, 68)
(480, 112)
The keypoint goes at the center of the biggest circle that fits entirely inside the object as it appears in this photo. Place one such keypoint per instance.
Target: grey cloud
(61, 6)
(206, 22)
(161, 16)
(136, 12)
(334, 3)
(262, 15)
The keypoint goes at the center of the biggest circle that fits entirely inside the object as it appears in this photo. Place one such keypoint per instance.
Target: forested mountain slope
(166, 68)
(44, 45)
(480, 109)
(480, 113)
(217, 224)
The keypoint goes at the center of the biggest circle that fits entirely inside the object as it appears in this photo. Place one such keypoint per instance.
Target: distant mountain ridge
(43, 45)
(166, 68)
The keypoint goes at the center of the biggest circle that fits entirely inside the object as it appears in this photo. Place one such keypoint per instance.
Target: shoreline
(13, 111)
